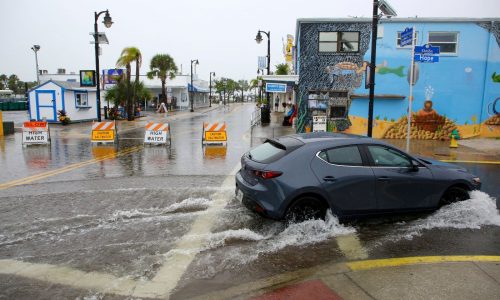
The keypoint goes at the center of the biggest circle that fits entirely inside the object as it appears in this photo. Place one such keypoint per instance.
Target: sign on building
(87, 78)
(36, 133)
(157, 134)
(406, 37)
(275, 87)
(319, 123)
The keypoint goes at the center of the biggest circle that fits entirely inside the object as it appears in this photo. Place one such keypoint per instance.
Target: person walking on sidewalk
(277, 103)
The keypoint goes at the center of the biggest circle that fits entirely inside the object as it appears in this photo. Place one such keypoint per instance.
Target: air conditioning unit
(61, 71)
(42, 72)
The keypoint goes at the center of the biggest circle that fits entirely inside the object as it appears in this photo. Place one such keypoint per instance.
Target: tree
(4, 82)
(282, 69)
(13, 83)
(243, 87)
(130, 55)
(162, 66)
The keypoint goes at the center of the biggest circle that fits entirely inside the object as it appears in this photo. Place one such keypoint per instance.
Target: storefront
(460, 92)
(282, 89)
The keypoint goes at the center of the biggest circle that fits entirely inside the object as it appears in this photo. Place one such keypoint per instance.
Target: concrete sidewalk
(431, 277)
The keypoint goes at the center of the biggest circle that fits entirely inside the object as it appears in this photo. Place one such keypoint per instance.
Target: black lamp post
(35, 49)
(192, 87)
(258, 39)
(107, 22)
(210, 85)
(388, 11)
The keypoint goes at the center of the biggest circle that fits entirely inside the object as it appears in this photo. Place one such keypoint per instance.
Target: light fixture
(386, 9)
(258, 38)
(107, 20)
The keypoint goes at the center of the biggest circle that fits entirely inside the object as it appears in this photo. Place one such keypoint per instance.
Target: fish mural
(384, 69)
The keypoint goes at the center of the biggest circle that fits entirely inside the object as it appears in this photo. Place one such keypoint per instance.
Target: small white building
(45, 100)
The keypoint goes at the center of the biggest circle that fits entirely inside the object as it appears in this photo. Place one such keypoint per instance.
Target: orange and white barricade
(214, 133)
(36, 133)
(157, 133)
(104, 132)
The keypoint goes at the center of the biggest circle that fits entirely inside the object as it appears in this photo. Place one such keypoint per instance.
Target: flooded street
(91, 222)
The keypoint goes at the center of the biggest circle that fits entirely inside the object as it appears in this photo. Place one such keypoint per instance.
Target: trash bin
(265, 115)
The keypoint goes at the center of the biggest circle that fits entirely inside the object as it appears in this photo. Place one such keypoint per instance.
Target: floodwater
(130, 215)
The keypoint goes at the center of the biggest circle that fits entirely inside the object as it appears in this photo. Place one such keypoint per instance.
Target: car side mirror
(414, 166)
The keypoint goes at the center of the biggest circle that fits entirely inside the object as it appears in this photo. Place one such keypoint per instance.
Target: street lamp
(388, 11)
(258, 39)
(210, 93)
(35, 49)
(107, 22)
(196, 62)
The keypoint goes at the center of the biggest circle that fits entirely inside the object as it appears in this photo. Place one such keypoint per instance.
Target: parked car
(301, 176)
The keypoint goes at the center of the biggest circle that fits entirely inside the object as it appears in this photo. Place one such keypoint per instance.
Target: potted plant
(63, 117)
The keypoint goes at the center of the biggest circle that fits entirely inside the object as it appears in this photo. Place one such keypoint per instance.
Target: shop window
(337, 112)
(339, 41)
(447, 41)
(81, 99)
(398, 41)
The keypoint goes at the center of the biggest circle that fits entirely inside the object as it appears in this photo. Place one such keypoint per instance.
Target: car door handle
(329, 178)
(384, 178)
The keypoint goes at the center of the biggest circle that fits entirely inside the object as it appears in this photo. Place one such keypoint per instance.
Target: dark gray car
(301, 176)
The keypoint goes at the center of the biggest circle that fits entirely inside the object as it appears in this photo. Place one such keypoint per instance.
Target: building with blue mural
(460, 92)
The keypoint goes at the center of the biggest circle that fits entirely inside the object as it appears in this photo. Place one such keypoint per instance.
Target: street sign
(36, 133)
(214, 133)
(157, 133)
(427, 49)
(103, 132)
(275, 87)
(406, 37)
(425, 58)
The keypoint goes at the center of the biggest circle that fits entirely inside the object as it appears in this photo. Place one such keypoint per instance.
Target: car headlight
(476, 180)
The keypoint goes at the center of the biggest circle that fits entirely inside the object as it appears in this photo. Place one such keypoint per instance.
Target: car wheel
(306, 208)
(454, 194)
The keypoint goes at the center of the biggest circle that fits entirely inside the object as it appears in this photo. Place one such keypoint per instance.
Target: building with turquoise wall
(461, 91)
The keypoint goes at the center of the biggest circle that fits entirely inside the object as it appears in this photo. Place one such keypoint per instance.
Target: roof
(398, 20)
(281, 78)
(67, 85)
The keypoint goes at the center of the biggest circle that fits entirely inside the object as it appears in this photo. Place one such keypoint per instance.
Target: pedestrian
(276, 103)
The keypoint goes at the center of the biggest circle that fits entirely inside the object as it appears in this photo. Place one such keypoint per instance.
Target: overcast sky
(220, 33)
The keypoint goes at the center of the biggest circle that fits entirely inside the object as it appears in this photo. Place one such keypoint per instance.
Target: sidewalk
(431, 277)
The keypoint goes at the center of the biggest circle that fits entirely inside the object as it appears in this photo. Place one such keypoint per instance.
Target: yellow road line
(68, 168)
(403, 261)
(490, 162)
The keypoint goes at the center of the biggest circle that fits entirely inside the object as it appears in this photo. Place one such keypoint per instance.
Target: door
(347, 180)
(399, 185)
(46, 105)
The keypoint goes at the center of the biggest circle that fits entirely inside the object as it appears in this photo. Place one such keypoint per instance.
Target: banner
(110, 76)
(262, 62)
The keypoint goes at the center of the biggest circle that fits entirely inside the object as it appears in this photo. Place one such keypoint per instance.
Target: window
(387, 157)
(447, 41)
(398, 40)
(266, 152)
(81, 100)
(339, 41)
(349, 156)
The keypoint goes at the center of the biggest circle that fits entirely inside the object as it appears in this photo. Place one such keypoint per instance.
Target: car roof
(318, 137)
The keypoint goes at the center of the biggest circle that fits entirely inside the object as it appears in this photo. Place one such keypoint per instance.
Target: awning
(197, 89)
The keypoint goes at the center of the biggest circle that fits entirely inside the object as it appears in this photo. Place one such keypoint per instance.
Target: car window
(387, 157)
(342, 156)
(266, 152)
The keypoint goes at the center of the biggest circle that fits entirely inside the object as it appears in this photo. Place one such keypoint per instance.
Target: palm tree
(282, 69)
(243, 86)
(128, 56)
(162, 66)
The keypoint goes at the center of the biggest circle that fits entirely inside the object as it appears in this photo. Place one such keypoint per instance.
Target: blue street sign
(425, 58)
(275, 87)
(406, 37)
(426, 49)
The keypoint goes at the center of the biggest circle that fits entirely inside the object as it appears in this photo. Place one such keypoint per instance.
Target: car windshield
(266, 152)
